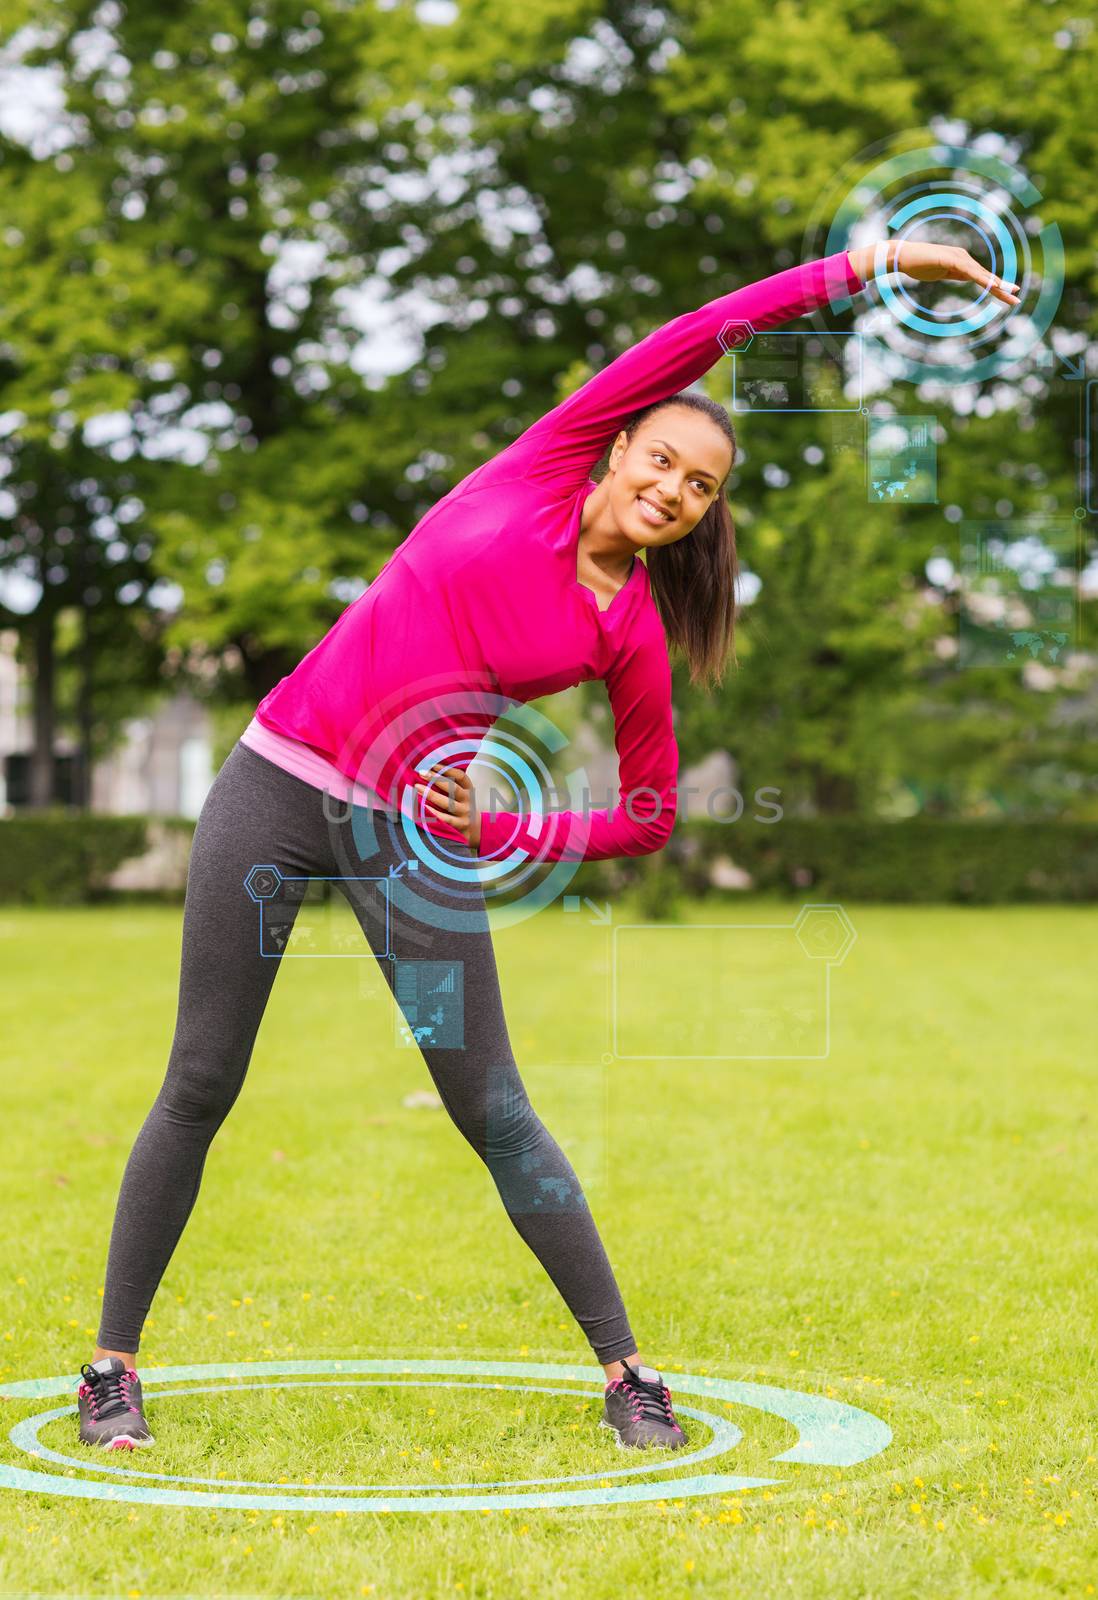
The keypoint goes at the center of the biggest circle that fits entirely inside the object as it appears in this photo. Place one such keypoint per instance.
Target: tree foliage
(181, 371)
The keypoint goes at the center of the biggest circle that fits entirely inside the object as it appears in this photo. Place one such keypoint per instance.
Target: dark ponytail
(694, 579)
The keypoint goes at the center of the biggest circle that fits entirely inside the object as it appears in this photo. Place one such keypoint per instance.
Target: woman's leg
(477, 1078)
(254, 814)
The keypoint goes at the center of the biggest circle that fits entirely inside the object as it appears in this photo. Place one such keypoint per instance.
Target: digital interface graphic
(1019, 594)
(431, 998)
(792, 371)
(748, 991)
(297, 918)
(902, 459)
(947, 194)
(830, 1433)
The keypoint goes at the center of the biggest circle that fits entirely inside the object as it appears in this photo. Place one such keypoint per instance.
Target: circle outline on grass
(832, 1433)
(25, 1436)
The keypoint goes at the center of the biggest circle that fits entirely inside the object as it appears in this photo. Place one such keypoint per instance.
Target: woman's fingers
(930, 263)
(457, 808)
(457, 772)
(451, 786)
(446, 779)
(967, 267)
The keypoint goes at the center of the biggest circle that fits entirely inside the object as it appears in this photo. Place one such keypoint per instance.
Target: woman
(524, 579)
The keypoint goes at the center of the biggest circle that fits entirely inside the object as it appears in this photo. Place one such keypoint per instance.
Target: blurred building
(162, 767)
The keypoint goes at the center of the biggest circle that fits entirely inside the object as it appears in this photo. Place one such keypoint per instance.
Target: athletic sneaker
(638, 1409)
(110, 1406)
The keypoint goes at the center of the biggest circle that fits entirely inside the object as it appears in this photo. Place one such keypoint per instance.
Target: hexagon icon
(262, 882)
(824, 933)
(735, 337)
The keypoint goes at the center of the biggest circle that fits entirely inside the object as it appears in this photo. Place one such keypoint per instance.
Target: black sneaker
(638, 1409)
(109, 1402)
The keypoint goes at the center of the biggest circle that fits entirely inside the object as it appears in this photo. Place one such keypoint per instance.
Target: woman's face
(675, 463)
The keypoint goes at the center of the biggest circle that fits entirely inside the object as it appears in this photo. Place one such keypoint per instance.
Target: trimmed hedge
(57, 857)
(922, 859)
(60, 857)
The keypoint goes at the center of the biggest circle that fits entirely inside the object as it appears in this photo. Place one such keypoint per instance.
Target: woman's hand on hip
(450, 796)
(930, 263)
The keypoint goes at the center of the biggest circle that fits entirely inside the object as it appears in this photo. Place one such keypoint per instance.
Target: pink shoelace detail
(86, 1392)
(634, 1400)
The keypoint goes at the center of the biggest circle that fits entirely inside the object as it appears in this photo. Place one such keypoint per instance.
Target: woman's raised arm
(565, 443)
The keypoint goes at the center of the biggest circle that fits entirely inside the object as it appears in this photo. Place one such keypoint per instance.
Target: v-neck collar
(573, 555)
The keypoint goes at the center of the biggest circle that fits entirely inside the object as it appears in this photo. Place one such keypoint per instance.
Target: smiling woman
(665, 480)
(527, 577)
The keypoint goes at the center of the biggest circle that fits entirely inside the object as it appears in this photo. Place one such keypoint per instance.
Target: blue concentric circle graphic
(430, 723)
(946, 193)
(831, 1433)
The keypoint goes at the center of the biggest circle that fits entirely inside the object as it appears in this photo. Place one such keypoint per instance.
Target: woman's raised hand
(930, 263)
(453, 791)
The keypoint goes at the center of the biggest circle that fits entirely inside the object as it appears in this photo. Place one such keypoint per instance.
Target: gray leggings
(258, 814)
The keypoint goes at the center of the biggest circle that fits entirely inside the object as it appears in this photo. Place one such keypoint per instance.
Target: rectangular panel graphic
(797, 372)
(902, 460)
(1019, 593)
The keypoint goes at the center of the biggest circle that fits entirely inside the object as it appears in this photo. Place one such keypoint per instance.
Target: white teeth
(655, 511)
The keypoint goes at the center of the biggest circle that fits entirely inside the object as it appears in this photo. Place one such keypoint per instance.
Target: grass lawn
(909, 1225)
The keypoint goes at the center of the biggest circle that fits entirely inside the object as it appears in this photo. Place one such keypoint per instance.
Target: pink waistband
(293, 756)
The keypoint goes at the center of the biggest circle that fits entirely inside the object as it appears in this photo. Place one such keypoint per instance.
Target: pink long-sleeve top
(480, 608)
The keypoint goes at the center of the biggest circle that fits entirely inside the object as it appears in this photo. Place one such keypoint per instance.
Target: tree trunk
(82, 796)
(41, 763)
(834, 794)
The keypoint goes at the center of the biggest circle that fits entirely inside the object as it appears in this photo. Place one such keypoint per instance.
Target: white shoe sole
(121, 1441)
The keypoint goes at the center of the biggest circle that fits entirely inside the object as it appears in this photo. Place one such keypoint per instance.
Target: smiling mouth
(655, 510)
